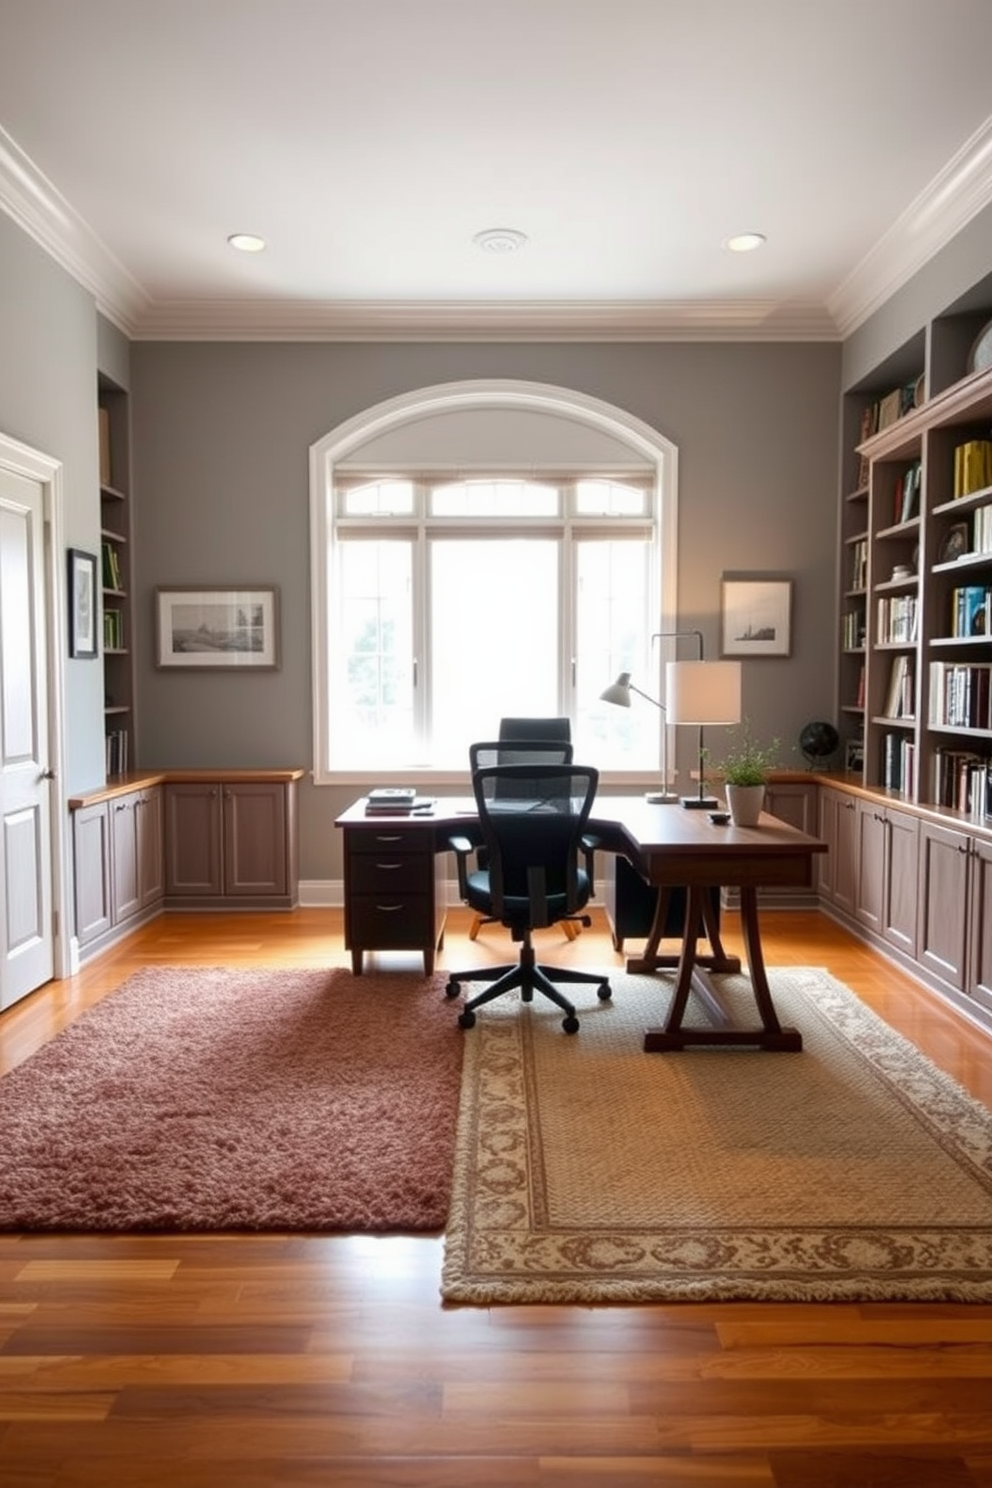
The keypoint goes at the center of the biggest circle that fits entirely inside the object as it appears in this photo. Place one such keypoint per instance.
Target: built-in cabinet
(231, 839)
(838, 814)
(885, 875)
(117, 640)
(186, 839)
(118, 864)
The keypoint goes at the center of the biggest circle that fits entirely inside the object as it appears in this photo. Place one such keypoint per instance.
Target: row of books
(900, 700)
(396, 800)
(883, 412)
(898, 763)
(859, 563)
(906, 496)
(853, 631)
(898, 618)
(972, 466)
(971, 610)
(960, 694)
(111, 567)
(113, 630)
(116, 745)
(963, 781)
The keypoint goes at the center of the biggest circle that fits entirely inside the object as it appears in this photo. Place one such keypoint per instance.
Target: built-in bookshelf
(115, 561)
(916, 585)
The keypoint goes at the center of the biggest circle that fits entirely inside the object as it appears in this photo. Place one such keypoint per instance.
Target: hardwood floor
(263, 1361)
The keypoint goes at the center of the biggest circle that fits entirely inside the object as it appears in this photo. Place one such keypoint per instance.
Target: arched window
(481, 550)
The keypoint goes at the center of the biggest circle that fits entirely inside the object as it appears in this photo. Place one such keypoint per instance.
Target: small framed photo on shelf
(755, 616)
(956, 543)
(83, 604)
(206, 629)
(854, 756)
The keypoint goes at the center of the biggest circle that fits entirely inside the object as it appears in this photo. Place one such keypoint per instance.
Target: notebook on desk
(396, 801)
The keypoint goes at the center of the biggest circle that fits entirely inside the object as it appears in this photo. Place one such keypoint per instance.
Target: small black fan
(818, 741)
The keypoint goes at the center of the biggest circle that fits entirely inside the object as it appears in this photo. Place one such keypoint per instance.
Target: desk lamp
(619, 692)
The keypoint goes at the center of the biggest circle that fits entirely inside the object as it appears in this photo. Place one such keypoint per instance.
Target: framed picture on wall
(206, 629)
(83, 604)
(755, 616)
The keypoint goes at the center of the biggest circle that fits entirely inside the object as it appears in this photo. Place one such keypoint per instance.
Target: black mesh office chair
(551, 738)
(532, 819)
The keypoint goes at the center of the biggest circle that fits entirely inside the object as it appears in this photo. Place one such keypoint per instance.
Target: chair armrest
(589, 844)
(462, 849)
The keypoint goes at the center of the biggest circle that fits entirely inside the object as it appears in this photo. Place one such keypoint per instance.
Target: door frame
(21, 459)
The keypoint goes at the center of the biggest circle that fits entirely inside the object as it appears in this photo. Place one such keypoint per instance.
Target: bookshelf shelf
(115, 532)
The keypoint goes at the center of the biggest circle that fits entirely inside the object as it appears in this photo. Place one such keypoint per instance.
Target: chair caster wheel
(452, 989)
(605, 992)
(570, 1024)
(466, 1019)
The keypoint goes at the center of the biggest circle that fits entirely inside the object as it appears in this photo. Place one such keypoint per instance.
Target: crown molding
(510, 320)
(956, 194)
(961, 190)
(30, 199)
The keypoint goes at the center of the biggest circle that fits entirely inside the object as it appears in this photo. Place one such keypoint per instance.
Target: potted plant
(745, 775)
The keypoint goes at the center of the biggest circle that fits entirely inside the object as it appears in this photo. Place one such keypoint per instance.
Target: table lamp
(703, 692)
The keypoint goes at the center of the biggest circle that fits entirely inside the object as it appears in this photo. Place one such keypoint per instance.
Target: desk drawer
(393, 840)
(390, 873)
(391, 921)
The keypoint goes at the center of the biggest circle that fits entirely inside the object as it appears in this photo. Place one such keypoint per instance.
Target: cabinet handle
(389, 867)
(389, 908)
(121, 807)
(395, 838)
(848, 805)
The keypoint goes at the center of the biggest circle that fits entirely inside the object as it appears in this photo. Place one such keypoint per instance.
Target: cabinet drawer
(390, 872)
(391, 921)
(393, 840)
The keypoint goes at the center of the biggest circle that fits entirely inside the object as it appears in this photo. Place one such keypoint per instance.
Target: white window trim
(645, 443)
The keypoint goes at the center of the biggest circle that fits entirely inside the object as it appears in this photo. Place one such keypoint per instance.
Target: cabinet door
(91, 862)
(902, 858)
(192, 838)
(838, 865)
(151, 852)
(980, 957)
(793, 802)
(943, 903)
(871, 852)
(124, 856)
(255, 839)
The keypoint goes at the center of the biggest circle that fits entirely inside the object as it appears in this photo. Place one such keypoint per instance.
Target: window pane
(378, 497)
(494, 638)
(504, 498)
(372, 718)
(595, 498)
(612, 636)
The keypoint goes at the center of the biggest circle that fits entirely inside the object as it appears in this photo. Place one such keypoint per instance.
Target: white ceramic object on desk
(745, 803)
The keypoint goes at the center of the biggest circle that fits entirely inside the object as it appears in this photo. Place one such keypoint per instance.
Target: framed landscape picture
(755, 617)
(206, 629)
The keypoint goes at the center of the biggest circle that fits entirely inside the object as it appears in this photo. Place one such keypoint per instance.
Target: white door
(26, 926)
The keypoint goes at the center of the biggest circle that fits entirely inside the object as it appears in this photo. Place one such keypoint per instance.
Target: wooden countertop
(123, 785)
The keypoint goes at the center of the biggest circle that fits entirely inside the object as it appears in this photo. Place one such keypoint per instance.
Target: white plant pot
(745, 803)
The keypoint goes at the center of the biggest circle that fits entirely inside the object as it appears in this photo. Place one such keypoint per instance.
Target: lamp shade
(703, 691)
(618, 692)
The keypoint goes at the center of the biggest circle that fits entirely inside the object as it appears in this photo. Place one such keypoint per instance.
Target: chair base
(530, 977)
(572, 928)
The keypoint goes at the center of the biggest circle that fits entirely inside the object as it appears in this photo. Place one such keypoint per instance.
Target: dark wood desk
(394, 896)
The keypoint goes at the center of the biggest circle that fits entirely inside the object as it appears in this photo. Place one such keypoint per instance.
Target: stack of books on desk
(395, 800)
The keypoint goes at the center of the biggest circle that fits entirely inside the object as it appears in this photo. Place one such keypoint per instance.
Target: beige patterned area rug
(589, 1171)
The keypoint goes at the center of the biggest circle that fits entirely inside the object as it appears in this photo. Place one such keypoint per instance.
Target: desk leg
(651, 959)
(771, 1034)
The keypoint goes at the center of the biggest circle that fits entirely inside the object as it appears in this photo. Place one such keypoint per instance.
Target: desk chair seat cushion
(517, 908)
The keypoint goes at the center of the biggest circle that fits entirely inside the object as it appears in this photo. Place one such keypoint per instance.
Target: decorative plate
(980, 355)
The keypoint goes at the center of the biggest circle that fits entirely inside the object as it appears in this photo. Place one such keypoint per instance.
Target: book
(413, 806)
(392, 795)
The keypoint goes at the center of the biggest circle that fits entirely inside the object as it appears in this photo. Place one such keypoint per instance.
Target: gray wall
(221, 435)
(48, 379)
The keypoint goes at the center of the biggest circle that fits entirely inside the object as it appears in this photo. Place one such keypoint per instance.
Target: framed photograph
(854, 756)
(206, 629)
(956, 543)
(84, 603)
(755, 616)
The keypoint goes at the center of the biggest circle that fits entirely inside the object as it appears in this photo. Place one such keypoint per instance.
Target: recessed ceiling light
(500, 240)
(745, 242)
(246, 242)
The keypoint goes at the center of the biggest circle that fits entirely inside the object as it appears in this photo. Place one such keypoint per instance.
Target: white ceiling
(368, 141)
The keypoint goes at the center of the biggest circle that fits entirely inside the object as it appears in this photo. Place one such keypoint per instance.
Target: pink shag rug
(210, 1099)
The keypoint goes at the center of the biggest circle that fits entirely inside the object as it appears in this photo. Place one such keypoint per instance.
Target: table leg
(651, 959)
(771, 1034)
